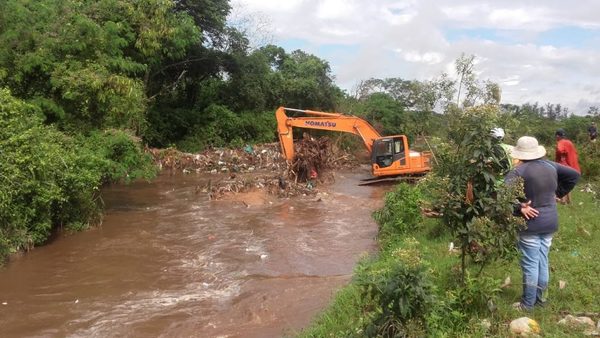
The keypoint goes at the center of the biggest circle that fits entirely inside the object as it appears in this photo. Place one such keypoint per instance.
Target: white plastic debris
(582, 322)
(562, 284)
(506, 283)
(524, 326)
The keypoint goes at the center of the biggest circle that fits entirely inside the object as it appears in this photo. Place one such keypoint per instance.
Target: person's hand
(527, 211)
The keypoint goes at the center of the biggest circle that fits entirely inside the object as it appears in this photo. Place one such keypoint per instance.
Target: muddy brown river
(167, 262)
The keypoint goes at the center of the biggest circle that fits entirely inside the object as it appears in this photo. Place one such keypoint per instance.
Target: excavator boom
(390, 155)
(323, 121)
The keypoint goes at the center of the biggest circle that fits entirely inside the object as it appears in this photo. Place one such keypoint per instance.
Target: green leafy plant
(589, 159)
(400, 288)
(475, 205)
(400, 212)
(50, 180)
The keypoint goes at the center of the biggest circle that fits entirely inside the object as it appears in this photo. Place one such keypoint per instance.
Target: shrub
(221, 127)
(589, 158)
(401, 211)
(400, 288)
(48, 179)
(117, 155)
(475, 205)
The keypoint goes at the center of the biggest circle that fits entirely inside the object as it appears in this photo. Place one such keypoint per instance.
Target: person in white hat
(543, 182)
(498, 133)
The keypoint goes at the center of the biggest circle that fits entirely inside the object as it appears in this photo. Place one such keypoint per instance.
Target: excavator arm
(323, 121)
(391, 157)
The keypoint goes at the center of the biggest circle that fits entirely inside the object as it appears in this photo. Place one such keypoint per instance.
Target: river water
(167, 262)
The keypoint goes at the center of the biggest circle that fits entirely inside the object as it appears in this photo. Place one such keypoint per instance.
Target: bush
(589, 160)
(401, 211)
(48, 179)
(400, 288)
(222, 128)
(475, 205)
(117, 155)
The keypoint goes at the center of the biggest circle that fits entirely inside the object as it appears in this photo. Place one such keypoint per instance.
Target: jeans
(534, 264)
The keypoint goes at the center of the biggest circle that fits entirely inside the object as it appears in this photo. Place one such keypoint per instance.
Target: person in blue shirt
(543, 180)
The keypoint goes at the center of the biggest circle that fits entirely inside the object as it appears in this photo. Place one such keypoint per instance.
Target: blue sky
(537, 51)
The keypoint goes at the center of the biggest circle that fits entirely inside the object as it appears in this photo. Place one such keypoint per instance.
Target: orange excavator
(391, 157)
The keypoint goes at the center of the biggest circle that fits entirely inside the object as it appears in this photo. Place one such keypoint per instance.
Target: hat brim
(528, 155)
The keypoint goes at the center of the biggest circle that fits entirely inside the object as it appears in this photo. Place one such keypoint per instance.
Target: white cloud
(334, 9)
(511, 17)
(269, 5)
(512, 80)
(412, 39)
(429, 58)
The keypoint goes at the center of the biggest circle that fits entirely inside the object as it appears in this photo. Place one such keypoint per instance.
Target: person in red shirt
(566, 154)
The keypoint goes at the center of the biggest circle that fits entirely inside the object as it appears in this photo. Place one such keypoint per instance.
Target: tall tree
(89, 64)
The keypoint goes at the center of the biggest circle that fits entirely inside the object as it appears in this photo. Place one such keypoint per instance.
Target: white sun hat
(528, 148)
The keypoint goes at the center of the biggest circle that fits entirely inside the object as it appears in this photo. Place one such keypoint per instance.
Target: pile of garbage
(314, 157)
(221, 160)
(260, 167)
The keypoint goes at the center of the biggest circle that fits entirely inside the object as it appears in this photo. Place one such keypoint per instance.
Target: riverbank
(452, 312)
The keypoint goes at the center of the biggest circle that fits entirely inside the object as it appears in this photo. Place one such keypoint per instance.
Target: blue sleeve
(511, 176)
(567, 179)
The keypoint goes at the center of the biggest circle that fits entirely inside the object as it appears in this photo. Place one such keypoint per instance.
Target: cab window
(398, 146)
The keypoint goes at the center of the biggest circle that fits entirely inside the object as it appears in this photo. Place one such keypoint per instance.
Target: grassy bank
(450, 310)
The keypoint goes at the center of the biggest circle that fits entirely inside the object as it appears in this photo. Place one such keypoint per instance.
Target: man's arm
(567, 179)
(561, 152)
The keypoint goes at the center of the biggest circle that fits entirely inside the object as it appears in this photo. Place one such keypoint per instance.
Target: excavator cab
(388, 150)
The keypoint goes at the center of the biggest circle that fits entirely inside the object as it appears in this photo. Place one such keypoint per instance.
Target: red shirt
(566, 154)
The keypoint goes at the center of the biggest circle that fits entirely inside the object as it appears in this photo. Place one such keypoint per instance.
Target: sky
(537, 51)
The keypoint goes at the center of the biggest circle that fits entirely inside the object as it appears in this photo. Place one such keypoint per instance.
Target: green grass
(573, 259)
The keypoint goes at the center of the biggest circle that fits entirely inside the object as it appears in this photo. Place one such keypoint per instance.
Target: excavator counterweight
(390, 156)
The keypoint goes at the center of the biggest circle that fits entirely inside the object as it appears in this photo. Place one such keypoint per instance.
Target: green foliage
(222, 127)
(88, 64)
(401, 212)
(117, 155)
(589, 159)
(51, 180)
(411, 94)
(474, 296)
(307, 82)
(384, 113)
(35, 164)
(476, 209)
(399, 287)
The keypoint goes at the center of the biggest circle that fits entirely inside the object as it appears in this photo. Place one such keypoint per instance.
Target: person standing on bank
(593, 132)
(543, 181)
(498, 133)
(566, 154)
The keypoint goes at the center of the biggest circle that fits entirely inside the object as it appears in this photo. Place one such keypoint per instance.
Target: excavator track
(404, 178)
